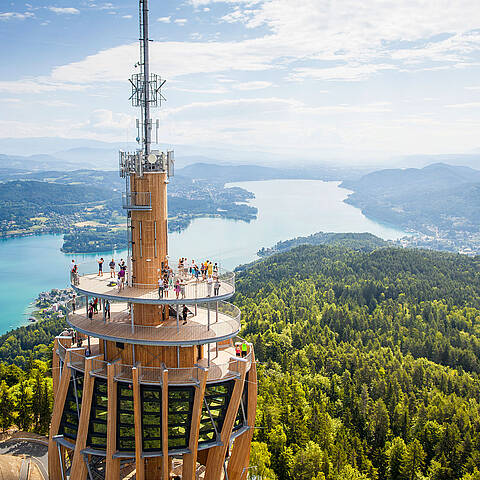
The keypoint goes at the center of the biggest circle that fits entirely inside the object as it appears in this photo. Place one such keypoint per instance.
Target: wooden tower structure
(138, 390)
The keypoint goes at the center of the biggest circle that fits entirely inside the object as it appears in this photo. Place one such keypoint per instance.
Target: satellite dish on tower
(152, 158)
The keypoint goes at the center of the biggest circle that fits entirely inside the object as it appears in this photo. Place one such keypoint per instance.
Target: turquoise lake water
(286, 209)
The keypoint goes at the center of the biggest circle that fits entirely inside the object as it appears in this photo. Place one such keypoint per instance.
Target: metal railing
(153, 375)
(190, 288)
(205, 322)
(137, 201)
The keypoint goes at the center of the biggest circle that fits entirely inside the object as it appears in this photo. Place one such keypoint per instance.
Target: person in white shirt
(160, 287)
(209, 286)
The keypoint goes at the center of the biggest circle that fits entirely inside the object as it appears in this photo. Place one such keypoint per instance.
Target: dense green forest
(370, 364)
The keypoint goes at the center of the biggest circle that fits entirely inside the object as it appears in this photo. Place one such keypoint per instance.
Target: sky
(317, 79)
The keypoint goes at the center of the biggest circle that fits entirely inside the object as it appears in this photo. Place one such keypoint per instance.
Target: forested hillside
(370, 364)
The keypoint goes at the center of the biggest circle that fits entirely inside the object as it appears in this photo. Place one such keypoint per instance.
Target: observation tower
(139, 392)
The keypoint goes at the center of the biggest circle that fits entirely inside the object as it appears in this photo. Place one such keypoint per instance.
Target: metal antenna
(145, 62)
(146, 94)
(146, 86)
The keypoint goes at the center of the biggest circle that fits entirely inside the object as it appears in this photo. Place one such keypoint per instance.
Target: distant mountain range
(458, 159)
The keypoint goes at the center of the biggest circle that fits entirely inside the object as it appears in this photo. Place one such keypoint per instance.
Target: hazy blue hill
(437, 196)
(35, 163)
(46, 194)
(230, 173)
(458, 159)
(432, 177)
(240, 173)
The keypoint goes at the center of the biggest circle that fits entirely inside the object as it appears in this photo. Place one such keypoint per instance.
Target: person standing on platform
(177, 288)
(100, 267)
(121, 279)
(74, 273)
(209, 286)
(244, 349)
(216, 286)
(184, 314)
(112, 268)
(160, 287)
(192, 268)
(107, 309)
(209, 268)
(182, 289)
(74, 304)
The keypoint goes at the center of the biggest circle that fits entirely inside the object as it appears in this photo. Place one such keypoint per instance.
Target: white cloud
(37, 86)
(103, 119)
(106, 6)
(15, 16)
(64, 10)
(347, 72)
(126, 16)
(464, 105)
(164, 19)
(181, 21)
(254, 85)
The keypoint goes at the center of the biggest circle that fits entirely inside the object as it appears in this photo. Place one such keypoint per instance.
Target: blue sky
(322, 79)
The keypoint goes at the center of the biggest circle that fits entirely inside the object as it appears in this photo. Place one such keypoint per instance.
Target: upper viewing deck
(191, 290)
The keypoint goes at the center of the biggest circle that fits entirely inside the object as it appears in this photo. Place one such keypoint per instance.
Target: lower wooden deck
(203, 325)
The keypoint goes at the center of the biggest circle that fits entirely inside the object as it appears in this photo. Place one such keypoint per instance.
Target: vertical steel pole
(146, 75)
(132, 318)
(208, 315)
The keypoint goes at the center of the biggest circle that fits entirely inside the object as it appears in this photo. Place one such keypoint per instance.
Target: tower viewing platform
(191, 290)
(151, 381)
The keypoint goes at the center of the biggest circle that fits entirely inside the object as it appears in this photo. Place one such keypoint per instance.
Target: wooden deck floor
(194, 291)
(195, 331)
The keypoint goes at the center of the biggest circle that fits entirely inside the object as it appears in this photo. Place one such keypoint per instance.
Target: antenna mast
(145, 64)
(146, 94)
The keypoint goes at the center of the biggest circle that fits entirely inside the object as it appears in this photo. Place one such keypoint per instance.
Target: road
(36, 450)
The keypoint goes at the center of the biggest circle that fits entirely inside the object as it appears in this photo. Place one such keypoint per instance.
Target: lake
(286, 209)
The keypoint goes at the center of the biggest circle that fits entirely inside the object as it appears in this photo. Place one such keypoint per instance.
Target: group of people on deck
(121, 276)
(94, 306)
(168, 281)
